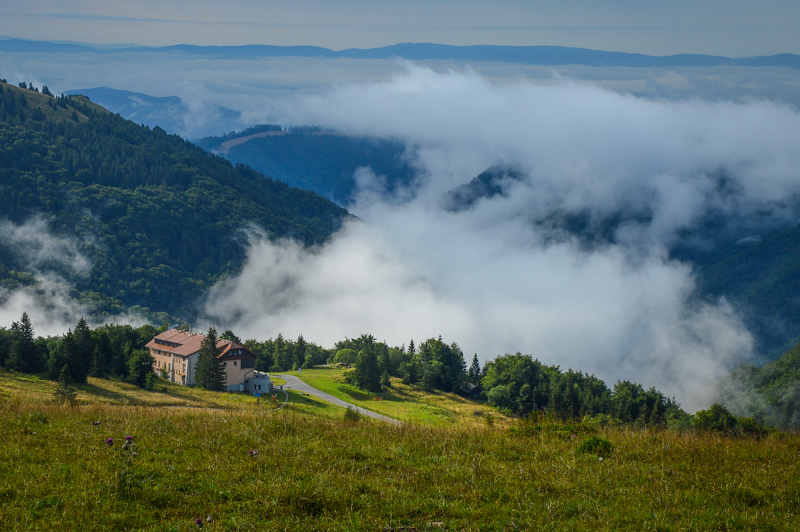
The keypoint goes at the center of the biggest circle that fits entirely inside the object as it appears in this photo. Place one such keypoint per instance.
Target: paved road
(293, 383)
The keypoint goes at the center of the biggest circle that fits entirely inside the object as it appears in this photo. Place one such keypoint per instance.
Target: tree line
(107, 351)
(516, 384)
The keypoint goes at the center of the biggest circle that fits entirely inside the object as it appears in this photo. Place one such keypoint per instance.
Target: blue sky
(723, 27)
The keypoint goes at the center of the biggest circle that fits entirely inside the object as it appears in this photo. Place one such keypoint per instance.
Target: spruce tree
(384, 361)
(300, 348)
(23, 349)
(210, 373)
(58, 358)
(83, 339)
(74, 358)
(65, 392)
(282, 359)
(140, 366)
(475, 371)
(368, 374)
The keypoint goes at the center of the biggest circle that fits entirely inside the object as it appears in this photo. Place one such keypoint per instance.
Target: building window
(234, 362)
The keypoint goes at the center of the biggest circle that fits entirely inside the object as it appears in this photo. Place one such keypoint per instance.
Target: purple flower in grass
(110, 441)
(129, 438)
(199, 523)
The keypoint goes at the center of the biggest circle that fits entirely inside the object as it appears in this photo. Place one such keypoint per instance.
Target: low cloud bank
(493, 279)
(52, 261)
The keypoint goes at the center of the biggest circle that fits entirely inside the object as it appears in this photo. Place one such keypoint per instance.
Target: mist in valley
(657, 151)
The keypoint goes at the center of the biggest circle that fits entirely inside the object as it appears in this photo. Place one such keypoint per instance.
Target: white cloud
(49, 300)
(488, 277)
(37, 248)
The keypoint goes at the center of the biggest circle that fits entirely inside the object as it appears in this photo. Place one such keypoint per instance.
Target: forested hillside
(763, 280)
(159, 219)
(322, 162)
(769, 394)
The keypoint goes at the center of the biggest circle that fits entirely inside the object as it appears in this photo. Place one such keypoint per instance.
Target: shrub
(354, 392)
(596, 445)
(40, 418)
(149, 382)
(351, 415)
(715, 419)
(751, 427)
(65, 392)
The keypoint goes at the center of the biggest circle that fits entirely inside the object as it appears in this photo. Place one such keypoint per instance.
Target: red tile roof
(189, 344)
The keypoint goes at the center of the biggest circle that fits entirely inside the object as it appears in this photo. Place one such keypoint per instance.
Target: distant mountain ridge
(170, 113)
(530, 55)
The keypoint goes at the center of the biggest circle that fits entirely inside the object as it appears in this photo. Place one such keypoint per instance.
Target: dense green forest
(314, 160)
(763, 280)
(516, 384)
(110, 350)
(769, 394)
(159, 218)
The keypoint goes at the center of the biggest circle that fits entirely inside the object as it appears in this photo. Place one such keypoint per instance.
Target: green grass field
(405, 403)
(314, 471)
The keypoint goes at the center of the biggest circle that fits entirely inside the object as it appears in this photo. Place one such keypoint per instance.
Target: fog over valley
(491, 277)
(600, 176)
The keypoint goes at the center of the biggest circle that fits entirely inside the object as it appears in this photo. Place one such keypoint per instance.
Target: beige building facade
(176, 352)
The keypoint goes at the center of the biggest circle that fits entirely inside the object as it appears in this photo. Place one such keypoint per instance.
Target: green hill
(770, 394)
(323, 162)
(159, 219)
(763, 280)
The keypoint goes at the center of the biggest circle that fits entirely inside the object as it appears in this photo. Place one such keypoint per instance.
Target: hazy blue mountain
(175, 116)
(531, 55)
(754, 264)
(322, 162)
(487, 184)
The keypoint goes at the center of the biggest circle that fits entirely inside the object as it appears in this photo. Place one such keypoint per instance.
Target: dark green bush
(596, 445)
(351, 415)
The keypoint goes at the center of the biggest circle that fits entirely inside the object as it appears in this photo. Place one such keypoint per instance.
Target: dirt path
(226, 146)
(293, 383)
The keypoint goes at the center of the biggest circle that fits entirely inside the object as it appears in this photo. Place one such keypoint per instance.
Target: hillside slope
(763, 281)
(158, 219)
(770, 394)
(323, 162)
(188, 119)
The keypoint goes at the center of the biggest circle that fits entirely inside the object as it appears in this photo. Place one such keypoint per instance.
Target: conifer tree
(65, 392)
(23, 349)
(384, 361)
(210, 373)
(85, 350)
(228, 335)
(475, 371)
(367, 372)
(300, 348)
(140, 366)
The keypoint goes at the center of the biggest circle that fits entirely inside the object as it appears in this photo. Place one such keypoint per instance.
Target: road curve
(293, 383)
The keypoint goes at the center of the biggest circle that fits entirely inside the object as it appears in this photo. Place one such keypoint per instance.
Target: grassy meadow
(409, 404)
(313, 471)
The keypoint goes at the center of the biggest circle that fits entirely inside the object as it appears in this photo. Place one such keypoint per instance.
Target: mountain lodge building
(177, 352)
